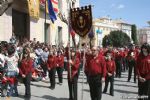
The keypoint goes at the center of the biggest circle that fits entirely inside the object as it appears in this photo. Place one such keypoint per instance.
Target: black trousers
(118, 68)
(73, 88)
(44, 67)
(111, 80)
(27, 82)
(131, 68)
(60, 74)
(144, 89)
(52, 77)
(95, 85)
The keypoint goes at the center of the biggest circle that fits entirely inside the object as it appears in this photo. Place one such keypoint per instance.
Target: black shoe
(27, 96)
(70, 99)
(128, 81)
(111, 94)
(104, 91)
(52, 87)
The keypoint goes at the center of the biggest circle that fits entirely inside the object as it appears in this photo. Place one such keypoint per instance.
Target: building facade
(144, 35)
(16, 20)
(103, 26)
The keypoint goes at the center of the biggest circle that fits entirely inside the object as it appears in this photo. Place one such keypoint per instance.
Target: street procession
(74, 50)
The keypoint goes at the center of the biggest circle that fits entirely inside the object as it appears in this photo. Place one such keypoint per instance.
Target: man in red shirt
(97, 73)
(143, 71)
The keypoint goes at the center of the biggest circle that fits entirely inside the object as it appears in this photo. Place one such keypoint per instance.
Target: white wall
(6, 25)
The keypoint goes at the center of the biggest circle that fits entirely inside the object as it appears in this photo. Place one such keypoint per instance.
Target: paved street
(40, 90)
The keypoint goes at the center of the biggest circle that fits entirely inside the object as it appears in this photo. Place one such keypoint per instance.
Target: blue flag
(51, 11)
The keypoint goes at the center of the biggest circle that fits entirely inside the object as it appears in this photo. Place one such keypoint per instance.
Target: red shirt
(87, 64)
(143, 66)
(60, 61)
(97, 66)
(51, 62)
(110, 66)
(74, 67)
(26, 66)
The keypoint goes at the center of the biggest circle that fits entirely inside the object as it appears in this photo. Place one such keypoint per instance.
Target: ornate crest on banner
(81, 20)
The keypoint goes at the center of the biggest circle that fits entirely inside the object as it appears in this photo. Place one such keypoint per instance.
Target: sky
(131, 11)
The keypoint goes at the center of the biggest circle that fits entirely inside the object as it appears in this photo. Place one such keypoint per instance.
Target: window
(60, 5)
(59, 42)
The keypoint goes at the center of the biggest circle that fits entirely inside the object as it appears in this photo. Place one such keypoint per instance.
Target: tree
(134, 34)
(116, 39)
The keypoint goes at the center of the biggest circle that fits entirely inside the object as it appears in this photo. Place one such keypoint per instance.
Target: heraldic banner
(34, 8)
(81, 20)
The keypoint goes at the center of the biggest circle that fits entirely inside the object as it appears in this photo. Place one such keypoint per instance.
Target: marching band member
(73, 78)
(97, 73)
(131, 58)
(60, 66)
(51, 66)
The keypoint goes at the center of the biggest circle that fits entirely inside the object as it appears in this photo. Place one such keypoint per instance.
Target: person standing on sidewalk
(143, 71)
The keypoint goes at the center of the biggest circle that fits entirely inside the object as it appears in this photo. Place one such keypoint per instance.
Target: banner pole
(45, 23)
(69, 38)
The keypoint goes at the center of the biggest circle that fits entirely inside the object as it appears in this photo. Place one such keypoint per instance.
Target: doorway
(21, 25)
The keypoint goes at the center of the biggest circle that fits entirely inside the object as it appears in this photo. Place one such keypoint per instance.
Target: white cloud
(117, 6)
(121, 6)
(112, 5)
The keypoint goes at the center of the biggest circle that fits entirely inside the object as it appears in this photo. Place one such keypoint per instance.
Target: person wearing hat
(143, 71)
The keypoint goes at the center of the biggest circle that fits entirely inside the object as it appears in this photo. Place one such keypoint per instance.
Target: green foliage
(116, 39)
(134, 34)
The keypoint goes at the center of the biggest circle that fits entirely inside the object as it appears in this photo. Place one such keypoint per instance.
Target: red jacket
(60, 61)
(26, 66)
(143, 66)
(97, 66)
(110, 66)
(51, 62)
(87, 64)
(74, 68)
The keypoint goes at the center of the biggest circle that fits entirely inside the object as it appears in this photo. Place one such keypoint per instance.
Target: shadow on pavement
(125, 85)
(86, 90)
(120, 80)
(48, 97)
(37, 85)
(125, 91)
